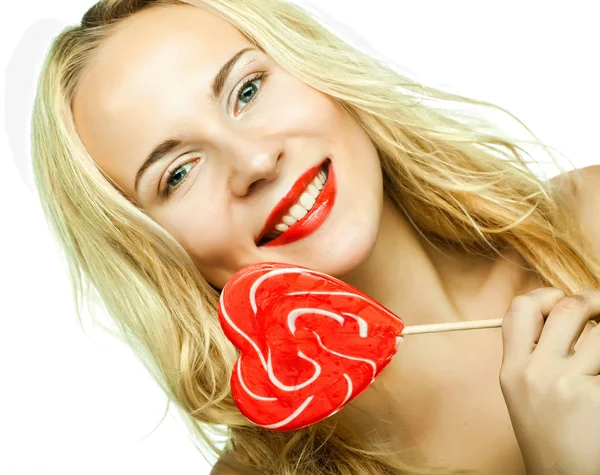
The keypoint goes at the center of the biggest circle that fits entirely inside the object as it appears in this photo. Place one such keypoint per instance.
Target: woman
(166, 132)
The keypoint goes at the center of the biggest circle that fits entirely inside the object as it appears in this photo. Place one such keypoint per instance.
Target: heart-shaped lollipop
(309, 343)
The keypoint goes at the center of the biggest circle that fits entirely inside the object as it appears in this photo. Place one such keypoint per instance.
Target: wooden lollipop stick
(450, 327)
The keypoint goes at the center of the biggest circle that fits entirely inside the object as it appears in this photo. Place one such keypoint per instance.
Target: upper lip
(289, 199)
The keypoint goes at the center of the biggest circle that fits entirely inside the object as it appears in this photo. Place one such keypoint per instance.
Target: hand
(550, 380)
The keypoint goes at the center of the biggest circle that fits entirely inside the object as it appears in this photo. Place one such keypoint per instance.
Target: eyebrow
(161, 150)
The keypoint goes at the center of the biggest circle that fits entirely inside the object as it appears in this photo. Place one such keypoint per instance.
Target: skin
(150, 80)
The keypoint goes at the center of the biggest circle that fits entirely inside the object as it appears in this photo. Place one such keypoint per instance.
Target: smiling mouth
(299, 210)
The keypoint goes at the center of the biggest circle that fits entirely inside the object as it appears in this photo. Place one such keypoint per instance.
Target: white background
(73, 404)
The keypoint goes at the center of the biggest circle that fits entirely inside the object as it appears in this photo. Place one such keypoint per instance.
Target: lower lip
(314, 218)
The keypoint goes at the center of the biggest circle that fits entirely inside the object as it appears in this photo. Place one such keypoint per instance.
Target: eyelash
(237, 93)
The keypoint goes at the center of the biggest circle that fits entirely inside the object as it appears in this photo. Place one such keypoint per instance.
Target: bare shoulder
(581, 190)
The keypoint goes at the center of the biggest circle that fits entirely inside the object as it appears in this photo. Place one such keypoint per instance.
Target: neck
(422, 284)
(403, 272)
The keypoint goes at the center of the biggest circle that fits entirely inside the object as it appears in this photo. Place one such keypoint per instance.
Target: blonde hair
(461, 182)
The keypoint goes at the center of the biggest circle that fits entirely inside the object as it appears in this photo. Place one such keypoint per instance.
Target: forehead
(143, 74)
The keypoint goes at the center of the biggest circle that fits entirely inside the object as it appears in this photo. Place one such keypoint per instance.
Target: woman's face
(241, 162)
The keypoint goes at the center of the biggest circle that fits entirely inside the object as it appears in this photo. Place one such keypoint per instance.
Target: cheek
(295, 106)
(361, 180)
(204, 234)
(213, 257)
(358, 220)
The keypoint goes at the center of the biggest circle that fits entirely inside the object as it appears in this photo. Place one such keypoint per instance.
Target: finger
(566, 322)
(523, 322)
(586, 359)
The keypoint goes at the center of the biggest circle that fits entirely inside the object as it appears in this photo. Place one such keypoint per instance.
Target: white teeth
(307, 200)
(313, 190)
(289, 220)
(298, 212)
(302, 206)
(317, 183)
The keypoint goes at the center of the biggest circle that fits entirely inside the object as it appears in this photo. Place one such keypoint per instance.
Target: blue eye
(249, 93)
(174, 177)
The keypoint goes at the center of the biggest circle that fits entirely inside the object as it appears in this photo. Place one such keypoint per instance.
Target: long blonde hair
(461, 182)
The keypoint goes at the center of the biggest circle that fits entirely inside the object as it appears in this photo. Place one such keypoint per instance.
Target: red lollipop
(309, 343)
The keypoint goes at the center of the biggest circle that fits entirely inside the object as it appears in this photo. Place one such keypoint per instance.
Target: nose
(255, 165)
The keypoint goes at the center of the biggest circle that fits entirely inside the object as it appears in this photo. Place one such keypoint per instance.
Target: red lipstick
(314, 218)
